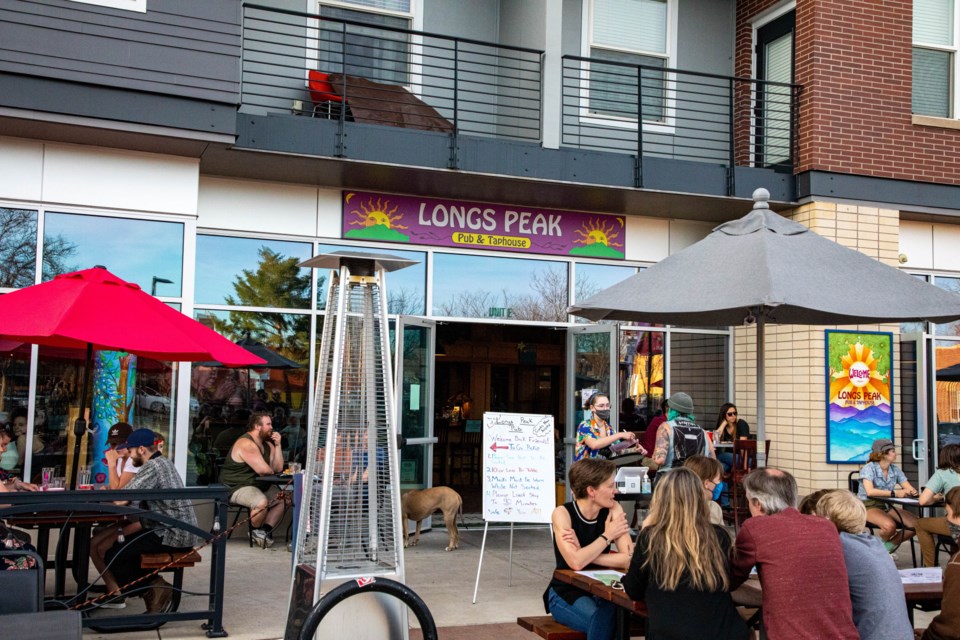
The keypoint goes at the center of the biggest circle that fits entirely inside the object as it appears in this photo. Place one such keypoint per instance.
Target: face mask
(717, 490)
(603, 414)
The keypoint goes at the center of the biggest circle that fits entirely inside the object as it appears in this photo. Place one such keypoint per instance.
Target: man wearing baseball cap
(155, 472)
(879, 479)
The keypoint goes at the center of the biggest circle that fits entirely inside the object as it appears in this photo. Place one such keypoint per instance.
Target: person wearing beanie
(680, 436)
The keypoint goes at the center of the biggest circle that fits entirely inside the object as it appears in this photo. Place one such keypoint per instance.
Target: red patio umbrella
(94, 309)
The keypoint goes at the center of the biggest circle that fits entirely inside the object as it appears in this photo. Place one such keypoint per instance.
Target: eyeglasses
(731, 413)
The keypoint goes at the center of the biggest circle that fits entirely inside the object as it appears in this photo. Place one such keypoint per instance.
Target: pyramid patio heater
(349, 518)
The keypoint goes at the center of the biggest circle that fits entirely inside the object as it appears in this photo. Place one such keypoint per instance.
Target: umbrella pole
(761, 394)
(80, 425)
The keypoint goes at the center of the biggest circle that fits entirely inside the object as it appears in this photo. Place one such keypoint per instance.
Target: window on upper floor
(934, 54)
(379, 54)
(130, 5)
(629, 33)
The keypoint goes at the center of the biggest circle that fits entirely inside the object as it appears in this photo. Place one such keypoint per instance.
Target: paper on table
(607, 576)
(921, 575)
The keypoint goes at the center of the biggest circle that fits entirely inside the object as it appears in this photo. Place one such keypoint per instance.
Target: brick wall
(853, 59)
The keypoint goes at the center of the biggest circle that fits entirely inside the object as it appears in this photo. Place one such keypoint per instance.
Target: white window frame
(415, 15)
(668, 125)
(128, 5)
(953, 92)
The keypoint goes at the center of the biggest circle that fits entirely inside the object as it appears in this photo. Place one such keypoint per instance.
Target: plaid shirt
(159, 473)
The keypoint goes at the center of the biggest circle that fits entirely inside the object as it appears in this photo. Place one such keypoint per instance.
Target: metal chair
(322, 93)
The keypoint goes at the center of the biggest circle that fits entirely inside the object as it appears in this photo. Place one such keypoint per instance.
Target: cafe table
(78, 523)
(749, 595)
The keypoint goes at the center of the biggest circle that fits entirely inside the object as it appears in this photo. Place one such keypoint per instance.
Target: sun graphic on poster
(377, 219)
(857, 382)
(598, 239)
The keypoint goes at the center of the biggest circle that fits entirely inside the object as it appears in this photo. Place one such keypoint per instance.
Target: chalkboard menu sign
(518, 458)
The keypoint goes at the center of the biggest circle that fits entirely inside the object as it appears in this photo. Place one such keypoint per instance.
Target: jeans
(726, 459)
(589, 614)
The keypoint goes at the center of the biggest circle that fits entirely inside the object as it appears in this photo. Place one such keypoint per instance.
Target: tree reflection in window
(540, 294)
(18, 249)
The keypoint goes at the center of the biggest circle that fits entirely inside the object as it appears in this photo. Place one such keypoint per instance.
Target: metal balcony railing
(387, 75)
(685, 115)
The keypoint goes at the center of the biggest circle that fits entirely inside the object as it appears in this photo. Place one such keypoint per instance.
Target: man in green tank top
(256, 453)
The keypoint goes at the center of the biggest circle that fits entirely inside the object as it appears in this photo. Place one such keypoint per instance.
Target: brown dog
(418, 505)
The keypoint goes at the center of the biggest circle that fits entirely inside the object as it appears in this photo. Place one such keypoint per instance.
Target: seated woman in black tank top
(582, 533)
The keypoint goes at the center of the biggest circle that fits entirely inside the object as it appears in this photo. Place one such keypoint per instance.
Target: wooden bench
(548, 628)
(182, 561)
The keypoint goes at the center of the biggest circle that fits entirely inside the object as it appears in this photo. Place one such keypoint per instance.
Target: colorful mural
(114, 385)
(859, 393)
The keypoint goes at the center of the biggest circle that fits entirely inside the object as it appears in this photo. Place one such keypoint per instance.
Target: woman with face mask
(596, 433)
(710, 472)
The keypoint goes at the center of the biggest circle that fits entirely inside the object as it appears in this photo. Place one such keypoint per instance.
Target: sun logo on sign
(598, 238)
(377, 219)
(858, 378)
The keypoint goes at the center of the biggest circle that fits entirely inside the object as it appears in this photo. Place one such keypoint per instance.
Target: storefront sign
(447, 223)
(859, 393)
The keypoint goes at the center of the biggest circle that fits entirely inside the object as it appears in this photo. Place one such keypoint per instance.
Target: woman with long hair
(729, 427)
(583, 531)
(946, 477)
(680, 566)
(879, 478)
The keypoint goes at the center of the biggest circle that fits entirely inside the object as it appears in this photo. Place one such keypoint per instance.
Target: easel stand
(483, 544)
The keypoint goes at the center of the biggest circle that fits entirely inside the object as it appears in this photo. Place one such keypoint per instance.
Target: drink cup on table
(294, 467)
(83, 479)
(46, 477)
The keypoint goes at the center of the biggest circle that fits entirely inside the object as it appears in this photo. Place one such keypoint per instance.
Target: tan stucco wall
(795, 357)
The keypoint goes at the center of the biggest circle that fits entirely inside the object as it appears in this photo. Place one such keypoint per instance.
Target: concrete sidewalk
(257, 585)
(258, 582)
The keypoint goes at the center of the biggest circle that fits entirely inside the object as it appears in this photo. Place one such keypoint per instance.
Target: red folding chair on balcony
(322, 93)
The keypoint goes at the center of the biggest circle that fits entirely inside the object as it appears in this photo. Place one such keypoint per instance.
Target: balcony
(317, 86)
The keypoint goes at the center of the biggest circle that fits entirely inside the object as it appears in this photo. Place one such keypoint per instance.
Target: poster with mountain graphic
(859, 393)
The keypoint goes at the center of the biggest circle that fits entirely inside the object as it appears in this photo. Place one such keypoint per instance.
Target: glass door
(415, 373)
(591, 365)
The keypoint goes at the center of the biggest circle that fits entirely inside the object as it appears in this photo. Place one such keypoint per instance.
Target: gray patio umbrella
(764, 268)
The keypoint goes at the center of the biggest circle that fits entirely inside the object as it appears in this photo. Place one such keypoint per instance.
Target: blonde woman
(681, 564)
(583, 531)
(879, 610)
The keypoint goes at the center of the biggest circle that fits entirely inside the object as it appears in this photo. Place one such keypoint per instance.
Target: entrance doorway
(484, 367)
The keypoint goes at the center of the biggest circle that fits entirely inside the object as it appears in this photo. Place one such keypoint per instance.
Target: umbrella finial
(760, 198)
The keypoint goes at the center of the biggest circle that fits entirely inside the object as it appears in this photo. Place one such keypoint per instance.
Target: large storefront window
(147, 252)
(698, 366)
(18, 247)
(14, 390)
(466, 286)
(227, 396)
(953, 285)
(406, 288)
(641, 376)
(123, 388)
(594, 278)
(252, 272)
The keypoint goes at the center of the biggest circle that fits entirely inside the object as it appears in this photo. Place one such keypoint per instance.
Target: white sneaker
(260, 538)
(118, 603)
